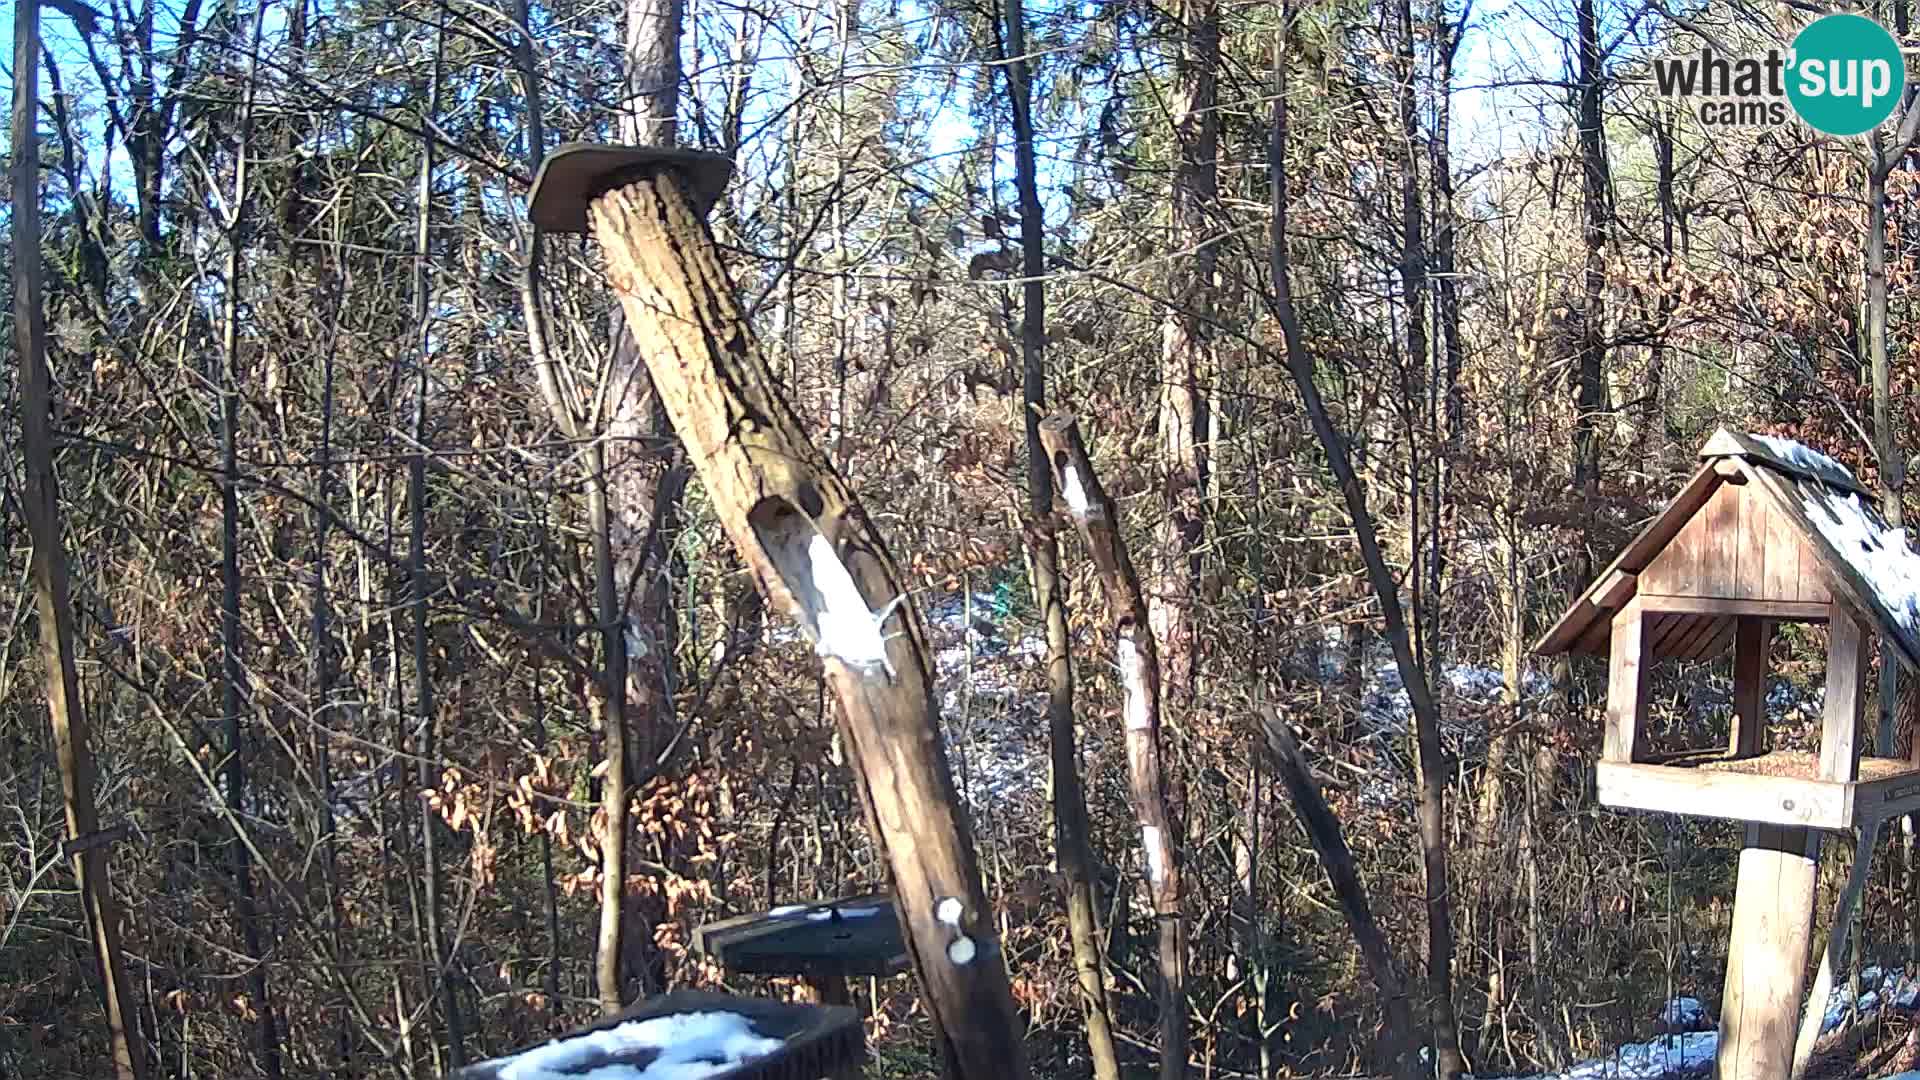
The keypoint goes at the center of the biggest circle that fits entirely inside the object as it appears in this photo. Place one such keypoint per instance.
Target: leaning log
(817, 556)
(1091, 510)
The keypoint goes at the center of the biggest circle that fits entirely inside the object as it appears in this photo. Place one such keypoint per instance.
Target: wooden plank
(1661, 630)
(1717, 642)
(1846, 694)
(1596, 639)
(1750, 640)
(1735, 796)
(1629, 665)
(1615, 589)
(1676, 570)
(1784, 579)
(1719, 568)
(1780, 610)
(1692, 629)
(1890, 797)
(1582, 613)
(1767, 958)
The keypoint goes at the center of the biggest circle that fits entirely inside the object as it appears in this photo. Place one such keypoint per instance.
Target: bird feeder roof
(1797, 501)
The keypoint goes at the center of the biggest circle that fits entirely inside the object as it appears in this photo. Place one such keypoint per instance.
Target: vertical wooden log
(1629, 664)
(1092, 512)
(1767, 958)
(1751, 637)
(52, 589)
(1846, 695)
(819, 558)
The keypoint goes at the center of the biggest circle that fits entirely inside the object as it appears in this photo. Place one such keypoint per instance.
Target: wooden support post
(828, 989)
(1767, 958)
(1846, 695)
(1836, 947)
(1629, 666)
(1751, 636)
(818, 557)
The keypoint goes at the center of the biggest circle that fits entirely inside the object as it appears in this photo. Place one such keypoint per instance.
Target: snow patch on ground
(687, 1046)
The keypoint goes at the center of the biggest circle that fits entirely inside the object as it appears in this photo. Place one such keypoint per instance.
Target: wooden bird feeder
(824, 944)
(1765, 532)
(682, 1032)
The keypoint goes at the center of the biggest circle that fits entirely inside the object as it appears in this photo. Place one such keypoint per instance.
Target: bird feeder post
(814, 553)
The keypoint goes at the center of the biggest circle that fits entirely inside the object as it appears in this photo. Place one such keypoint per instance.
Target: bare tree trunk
(1186, 364)
(233, 703)
(49, 570)
(1597, 227)
(1433, 771)
(1426, 714)
(1323, 830)
(1072, 849)
(438, 951)
(1094, 514)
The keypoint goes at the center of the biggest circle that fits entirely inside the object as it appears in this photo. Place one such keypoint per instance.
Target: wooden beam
(1780, 610)
(1767, 958)
(1629, 664)
(1729, 470)
(1615, 589)
(1751, 636)
(1582, 613)
(1846, 694)
(819, 558)
(1732, 796)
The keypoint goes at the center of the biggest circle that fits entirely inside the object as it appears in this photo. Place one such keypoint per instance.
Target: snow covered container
(688, 1034)
(1765, 532)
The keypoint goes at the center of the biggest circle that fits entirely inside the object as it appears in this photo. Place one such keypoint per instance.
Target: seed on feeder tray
(961, 951)
(949, 910)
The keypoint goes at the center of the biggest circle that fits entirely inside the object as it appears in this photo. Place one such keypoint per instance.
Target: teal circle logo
(1847, 74)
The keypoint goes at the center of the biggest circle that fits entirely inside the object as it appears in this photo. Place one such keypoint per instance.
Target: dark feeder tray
(822, 943)
(816, 1040)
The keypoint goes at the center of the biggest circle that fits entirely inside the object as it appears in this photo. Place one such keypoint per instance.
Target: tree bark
(1330, 844)
(427, 715)
(1426, 716)
(1432, 770)
(1092, 512)
(1186, 364)
(233, 682)
(1072, 849)
(819, 558)
(52, 590)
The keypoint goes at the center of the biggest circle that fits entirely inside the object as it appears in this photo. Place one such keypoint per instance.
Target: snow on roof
(1808, 460)
(689, 1046)
(1879, 555)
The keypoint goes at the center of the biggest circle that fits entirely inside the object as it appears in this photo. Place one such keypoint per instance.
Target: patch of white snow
(688, 1046)
(1879, 555)
(1809, 460)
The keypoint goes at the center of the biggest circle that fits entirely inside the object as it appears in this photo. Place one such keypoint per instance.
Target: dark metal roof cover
(819, 1040)
(577, 173)
(858, 935)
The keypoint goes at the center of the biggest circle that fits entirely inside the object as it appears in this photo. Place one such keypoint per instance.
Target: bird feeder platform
(795, 1041)
(824, 944)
